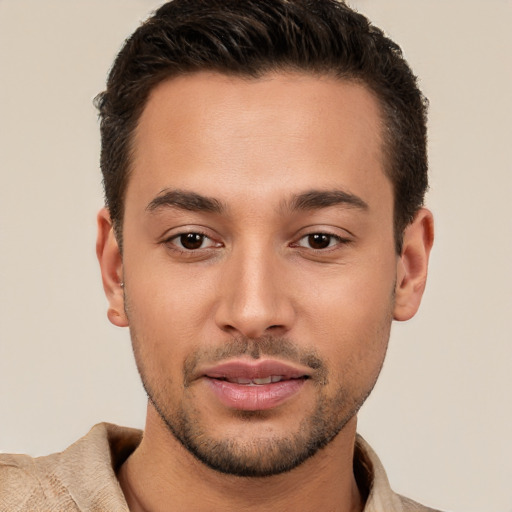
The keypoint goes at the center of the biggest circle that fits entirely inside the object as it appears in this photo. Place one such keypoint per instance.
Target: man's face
(259, 263)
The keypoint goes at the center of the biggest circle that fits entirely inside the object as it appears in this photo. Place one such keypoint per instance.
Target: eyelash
(339, 241)
(171, 242)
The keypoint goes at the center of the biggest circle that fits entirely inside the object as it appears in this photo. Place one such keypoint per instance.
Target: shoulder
(409, 505)
(82, 477)
(372, 480)
(25, 481)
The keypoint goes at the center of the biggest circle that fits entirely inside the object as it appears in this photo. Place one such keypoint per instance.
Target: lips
(256, 382)
(243, 385)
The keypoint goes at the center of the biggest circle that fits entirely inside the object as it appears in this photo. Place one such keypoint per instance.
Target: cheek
(351, 296)
(167, 299)
(355, 346)
(350, 316)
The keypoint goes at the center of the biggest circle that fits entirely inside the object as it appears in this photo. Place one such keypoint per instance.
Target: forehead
(234, 135)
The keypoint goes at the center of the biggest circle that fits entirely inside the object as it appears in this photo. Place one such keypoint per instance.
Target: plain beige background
(441, 415)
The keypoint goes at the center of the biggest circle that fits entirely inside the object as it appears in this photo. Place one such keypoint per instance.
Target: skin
(253, 146)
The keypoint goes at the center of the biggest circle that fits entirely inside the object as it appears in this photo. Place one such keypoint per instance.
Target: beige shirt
(83, 477)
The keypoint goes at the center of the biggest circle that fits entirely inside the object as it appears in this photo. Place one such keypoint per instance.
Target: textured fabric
(381, 498)
(83, 477)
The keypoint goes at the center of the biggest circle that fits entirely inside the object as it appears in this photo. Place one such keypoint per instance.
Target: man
(264, 165)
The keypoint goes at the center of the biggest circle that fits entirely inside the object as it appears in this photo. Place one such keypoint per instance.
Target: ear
(413, 265)
(111, 264)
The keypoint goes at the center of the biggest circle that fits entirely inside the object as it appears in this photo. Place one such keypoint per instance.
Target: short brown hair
(250, 38)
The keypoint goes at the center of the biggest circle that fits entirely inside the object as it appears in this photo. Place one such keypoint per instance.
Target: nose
(254, 299)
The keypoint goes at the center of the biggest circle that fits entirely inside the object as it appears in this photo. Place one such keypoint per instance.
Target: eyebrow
(310, 200)
(185, 200)
(317, 199)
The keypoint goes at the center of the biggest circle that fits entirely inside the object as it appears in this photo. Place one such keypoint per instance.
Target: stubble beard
(260, 456)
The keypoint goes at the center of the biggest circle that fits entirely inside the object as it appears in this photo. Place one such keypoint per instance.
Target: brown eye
(192, 244)
(191, 241)
(319, 240)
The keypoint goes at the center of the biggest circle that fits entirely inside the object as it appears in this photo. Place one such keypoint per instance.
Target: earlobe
(111, 265)
(413, 265)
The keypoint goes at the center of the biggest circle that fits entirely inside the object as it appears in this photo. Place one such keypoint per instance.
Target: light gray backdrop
(440, 417)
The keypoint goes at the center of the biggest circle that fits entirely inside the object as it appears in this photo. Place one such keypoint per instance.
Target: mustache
(256, 348)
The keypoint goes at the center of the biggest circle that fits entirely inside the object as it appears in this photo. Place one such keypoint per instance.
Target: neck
(161, 473)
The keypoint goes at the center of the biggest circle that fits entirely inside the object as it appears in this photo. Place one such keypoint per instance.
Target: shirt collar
(100, 454)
